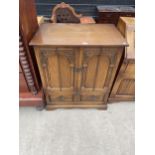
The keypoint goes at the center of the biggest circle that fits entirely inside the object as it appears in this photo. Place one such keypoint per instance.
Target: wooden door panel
(59, 72)
(53, 72)
(95, 72)
(65, 95)
(58, 68)
(90, 72)
(66, 72)
(88, 94)
(98, 67)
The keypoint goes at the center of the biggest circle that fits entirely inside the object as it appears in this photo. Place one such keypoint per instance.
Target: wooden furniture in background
(111, 14)
(77, 63)
(124, 86)
(40, 20)
(29, 79)
(64, 13)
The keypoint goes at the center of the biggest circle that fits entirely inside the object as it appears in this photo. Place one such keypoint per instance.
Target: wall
(86, 7)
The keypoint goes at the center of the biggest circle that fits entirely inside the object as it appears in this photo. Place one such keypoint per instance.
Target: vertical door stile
(78, 73)
(59, 71)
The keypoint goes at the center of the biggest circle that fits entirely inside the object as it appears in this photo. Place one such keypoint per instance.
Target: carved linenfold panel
(26, 68)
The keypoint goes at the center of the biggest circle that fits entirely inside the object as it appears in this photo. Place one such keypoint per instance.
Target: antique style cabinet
(124, 86)
(77, 63)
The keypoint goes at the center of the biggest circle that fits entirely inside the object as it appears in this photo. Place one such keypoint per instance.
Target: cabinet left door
(56, 67)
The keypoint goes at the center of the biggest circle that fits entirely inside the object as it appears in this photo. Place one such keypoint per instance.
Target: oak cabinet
(76, 75)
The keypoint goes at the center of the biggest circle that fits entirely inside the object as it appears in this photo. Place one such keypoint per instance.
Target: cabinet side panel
(38, 58)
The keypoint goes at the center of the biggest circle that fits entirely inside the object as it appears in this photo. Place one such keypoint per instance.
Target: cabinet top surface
(78, 35)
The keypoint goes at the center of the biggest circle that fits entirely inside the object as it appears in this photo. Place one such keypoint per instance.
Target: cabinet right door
(99, 68)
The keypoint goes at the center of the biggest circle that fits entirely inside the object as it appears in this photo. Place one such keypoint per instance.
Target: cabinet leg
(42, 106)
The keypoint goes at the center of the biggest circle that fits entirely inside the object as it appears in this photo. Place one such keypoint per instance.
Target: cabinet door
(99, 67)
(56, 66)
(124, 86)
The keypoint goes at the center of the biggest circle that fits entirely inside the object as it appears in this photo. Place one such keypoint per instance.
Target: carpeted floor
(77, 131)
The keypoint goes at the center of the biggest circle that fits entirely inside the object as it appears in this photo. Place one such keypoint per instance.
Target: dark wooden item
(111, 14)
(26, 70)
(29, 80)
(77, 63)
(124, 86)
(64, 13)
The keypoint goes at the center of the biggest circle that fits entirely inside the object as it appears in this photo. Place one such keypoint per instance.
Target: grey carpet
(77, 131)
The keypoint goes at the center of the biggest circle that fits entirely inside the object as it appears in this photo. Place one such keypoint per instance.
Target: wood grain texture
(75, 75)
(26, 68)
(77, 105)
(28, 25)
(126, 25)
(28, 18)
(124, 86)
(27, 99)
(22, 83)
(86, 89)
(30, 82)
(78, 35)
